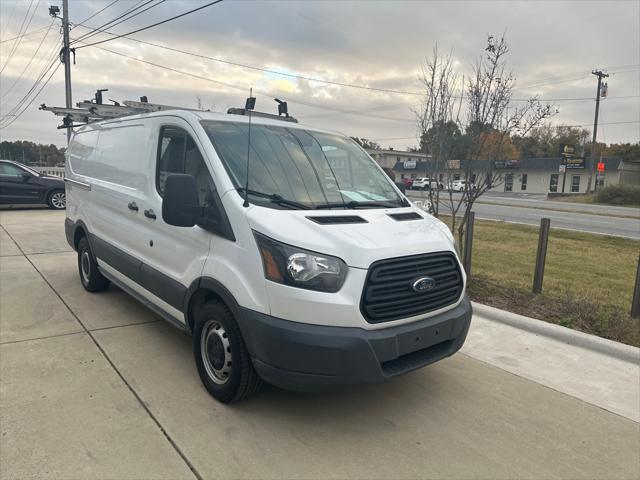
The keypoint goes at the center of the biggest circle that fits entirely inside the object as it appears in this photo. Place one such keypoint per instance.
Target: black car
(20, 184)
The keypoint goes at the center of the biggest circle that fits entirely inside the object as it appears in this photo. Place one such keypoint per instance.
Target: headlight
(300, 268)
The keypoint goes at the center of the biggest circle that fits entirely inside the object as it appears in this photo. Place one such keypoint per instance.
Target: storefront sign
(567, 150)
(575, 163)
(410, 164)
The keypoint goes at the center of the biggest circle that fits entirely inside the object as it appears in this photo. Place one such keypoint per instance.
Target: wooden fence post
(635, 302)
(468, 242)
(541, 256)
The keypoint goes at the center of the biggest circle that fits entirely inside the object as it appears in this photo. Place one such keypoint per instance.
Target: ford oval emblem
(424, 284)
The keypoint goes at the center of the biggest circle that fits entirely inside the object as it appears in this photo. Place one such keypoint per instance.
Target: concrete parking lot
(97, 386)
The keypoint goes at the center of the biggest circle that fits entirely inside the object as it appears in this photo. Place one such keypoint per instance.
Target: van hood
(359, 244)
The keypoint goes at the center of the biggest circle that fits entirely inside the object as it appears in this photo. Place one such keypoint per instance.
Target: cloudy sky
(380, 44)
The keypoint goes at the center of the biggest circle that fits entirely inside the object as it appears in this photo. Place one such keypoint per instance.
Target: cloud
(378, 44)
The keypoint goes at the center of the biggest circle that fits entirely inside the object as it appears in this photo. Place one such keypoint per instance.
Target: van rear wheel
(90, 277)
(221, 356)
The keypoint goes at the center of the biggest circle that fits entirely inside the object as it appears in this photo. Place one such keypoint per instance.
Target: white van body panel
(118, 159)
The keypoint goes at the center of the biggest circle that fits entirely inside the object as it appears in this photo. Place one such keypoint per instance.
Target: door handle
(133, 206)
(150, 214)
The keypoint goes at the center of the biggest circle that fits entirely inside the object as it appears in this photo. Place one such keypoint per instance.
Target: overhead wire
(99, 11)
(123, 17)
(308, 78)
(27, 34)
(18, 40)
(8, 90)
(45, 69)
(627, 122)
(18, 115)
(10, 17)
(175, 17)
(242, 88)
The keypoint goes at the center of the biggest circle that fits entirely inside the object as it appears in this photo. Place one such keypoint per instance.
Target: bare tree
(491, 120)
(436, 114)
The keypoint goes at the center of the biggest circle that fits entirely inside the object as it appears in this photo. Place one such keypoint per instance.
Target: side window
(7, 170)
(178, 153)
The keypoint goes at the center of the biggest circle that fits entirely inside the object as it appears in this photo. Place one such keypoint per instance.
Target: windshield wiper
(277, 199)
(354, 204)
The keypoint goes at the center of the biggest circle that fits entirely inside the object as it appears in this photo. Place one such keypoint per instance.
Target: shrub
(619, 195)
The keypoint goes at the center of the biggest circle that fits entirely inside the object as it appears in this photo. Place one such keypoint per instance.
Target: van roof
(198, 115)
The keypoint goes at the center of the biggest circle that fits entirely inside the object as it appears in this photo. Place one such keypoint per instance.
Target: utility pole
(600, 75)
(66, 58)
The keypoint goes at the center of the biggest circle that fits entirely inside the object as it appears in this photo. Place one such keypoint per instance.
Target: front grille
(389, 294)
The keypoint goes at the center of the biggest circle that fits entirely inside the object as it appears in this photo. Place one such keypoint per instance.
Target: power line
(16, 44)
(541, 126)
(111, 24)
(313, 79)
(10, 17)
(32, 32)
(30, 61)
(45, 69)
(153, 25)
(16, 117)
(99, 11)
(242, 88)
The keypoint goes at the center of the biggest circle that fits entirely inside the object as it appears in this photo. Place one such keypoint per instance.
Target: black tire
(221, 356)
(57, 199)
(90, 277)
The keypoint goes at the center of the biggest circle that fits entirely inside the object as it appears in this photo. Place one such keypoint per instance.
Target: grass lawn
(588, 281)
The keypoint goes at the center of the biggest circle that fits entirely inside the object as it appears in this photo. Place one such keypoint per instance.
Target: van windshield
(301, 168)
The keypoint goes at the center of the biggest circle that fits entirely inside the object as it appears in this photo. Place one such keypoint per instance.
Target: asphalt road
(97, 386)
(607, 220)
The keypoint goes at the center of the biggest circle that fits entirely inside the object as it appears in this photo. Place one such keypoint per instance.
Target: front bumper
(304, 357)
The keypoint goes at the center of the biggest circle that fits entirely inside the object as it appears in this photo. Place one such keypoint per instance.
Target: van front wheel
(221, 356)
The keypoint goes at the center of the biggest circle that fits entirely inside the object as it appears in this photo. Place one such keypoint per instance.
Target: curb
(560, 333)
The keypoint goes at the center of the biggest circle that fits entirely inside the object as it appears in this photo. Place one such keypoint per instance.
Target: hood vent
(402, 217)
(338, 220)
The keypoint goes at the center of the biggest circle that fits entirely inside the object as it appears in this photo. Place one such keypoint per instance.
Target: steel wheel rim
(85, 266)
(59, 200)
(216, 352)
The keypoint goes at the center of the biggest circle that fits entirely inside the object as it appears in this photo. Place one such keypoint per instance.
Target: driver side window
(178, 153)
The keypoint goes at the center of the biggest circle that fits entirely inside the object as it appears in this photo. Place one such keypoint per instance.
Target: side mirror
(180, 205)
(25, 176)
(401, 186)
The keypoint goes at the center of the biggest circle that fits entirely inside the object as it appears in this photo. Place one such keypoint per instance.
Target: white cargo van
(324, 275)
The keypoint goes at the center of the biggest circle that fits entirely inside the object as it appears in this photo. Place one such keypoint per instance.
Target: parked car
(20, 185)
(425, 184)
(287, 281)
(462, 185)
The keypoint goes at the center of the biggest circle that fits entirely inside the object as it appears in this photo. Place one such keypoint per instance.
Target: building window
(508, 182)
(398, 159)
(523, 185)
(553, 184)
(456, 176)
(575, 184)
(414, 175)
